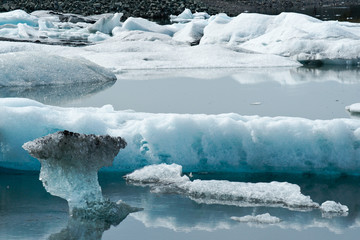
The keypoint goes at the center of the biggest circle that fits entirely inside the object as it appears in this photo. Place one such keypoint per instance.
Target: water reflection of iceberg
(56, 94)
(85, 229)
(295, 76)
(181, 214)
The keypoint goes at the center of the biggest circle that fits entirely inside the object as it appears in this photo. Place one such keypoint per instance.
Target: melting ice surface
(198, 142)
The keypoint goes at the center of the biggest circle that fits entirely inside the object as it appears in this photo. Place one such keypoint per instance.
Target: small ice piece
(333, 207)
(255, 103)
(353, 108)
(265, 218)
(69, 165)
(191, 33)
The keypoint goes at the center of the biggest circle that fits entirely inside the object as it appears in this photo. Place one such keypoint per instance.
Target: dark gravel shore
(161, 9)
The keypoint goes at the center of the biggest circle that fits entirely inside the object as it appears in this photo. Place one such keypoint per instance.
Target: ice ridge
(198, 142)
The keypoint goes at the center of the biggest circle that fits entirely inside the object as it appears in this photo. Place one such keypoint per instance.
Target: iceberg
(36, 68)
(354, 110)
(73, 160)
(141, 24)
(69, 166)
(298, 36)
(167, 178)
(198, 142)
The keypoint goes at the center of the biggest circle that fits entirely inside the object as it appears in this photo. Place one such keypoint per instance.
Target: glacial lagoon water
(27, 211)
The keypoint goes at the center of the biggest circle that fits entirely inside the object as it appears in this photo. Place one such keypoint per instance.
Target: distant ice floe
(265, 218)
(248, 40)
(198, 142)
(40, 69)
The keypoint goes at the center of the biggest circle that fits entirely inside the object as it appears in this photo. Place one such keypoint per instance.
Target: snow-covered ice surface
(248, 40)
(198, 142)
(27, 69)
(170, 215)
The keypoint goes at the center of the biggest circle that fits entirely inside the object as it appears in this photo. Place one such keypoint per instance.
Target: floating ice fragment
(198, 142)
(141, 24)
(168, 178)
(353, 108)
(265, 218)
(69, 165)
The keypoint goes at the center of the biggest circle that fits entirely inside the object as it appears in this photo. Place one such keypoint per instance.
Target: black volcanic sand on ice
(161, 9)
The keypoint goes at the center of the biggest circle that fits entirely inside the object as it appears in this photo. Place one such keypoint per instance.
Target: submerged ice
(198, 142)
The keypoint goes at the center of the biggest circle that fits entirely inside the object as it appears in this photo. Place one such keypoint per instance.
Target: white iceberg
(198, 142)
(353, 108)
(18, 16)
(141, 24)
(34, 69)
